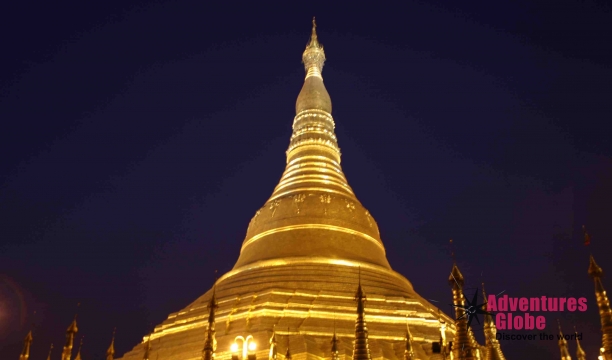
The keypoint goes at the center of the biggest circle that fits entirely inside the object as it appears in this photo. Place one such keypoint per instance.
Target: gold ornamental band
(306, 189)
(311, 226)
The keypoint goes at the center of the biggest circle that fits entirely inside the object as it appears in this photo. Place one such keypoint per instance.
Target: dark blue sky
(138, 140)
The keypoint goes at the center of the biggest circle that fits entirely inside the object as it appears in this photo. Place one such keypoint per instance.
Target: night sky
(138, 140)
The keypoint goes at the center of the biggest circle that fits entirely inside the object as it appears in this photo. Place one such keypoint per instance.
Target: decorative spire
(563, 345)
(110, 353)
(361, 349)
(70, 334)
(605, 313)
(147, 348)
(334, 344)
(314, 56)
(493, 349)
(273, 342)
(25, 353)
(443, 344)
(580, 354)
(50, 350)
(313, 198)
(210, 344)
(288, 353)
(464, 345)
(78, 355)
(408, 352)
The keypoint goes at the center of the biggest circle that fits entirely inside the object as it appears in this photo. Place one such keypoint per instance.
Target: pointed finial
(78, 355)
(110, 352)
(334, 342)
(594, 270)
(288, 353)
(314, 56)
(452, 250)
(50, 350)
(314, 41)
(147, 348)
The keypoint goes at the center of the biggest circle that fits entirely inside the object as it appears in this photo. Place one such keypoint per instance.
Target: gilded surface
(465, 345)
(603, 303)
(492, 347)
(298, 265)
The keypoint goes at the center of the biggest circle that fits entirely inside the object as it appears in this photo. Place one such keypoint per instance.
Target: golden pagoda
(492, 350)
(27, 342)
(605, 312)
(580, 354)
(110, 352)
(465, 345)
(299, 262)
(563, 349)
(70, 334)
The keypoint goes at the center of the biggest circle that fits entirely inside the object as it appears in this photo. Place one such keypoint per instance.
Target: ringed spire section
(313, 211)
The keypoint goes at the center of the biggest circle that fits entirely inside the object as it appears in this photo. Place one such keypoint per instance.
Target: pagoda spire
(605, 313)
(110, 352)
(27, 342)
(314, 56)
(465, 346)
(210, 344)
(288, 353)
(147, 348)
(563, 345)
(313, 199)
(580, 354)
(70, 334)
(334, 345)
(273, 351)
(50, 350)
(408, 352)
(78, 355)
(444, 346)
(493, 348)
(361, 349)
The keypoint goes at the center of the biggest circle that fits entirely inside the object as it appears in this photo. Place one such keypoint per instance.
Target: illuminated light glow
(234, 348)
(315, 260)
(314, 113)
(433, 324)
(314, 157)
(313, 226)
(314, 180)
(313, 171)
(252, 346)
(294, 151)
(312, 167)
(332, 311)
(310, 178)
(306, 189)
(313, 71)
(318, 141)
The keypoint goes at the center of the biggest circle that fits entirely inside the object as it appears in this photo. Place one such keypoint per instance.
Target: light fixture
(252, 346)
(234, 347)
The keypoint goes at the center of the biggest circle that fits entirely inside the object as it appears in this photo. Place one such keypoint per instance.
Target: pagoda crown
(313, 212)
